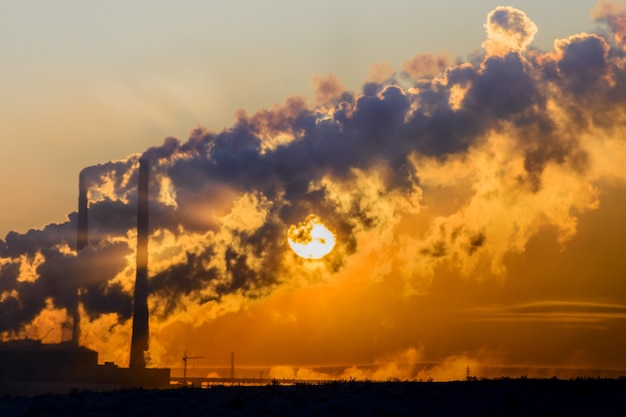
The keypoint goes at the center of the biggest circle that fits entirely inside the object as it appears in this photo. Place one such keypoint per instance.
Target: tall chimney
(140, 336)
(82, 240)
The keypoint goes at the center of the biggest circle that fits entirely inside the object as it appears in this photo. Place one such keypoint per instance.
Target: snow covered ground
(502, 397)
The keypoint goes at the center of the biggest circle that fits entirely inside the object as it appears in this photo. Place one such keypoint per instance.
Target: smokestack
(82, 240)
(139, 341)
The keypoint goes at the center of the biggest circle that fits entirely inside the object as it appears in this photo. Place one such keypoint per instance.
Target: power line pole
(185, 359)
(232, 365)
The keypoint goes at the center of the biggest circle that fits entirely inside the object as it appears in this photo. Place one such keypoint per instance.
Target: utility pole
(232, 365)
(185, 359)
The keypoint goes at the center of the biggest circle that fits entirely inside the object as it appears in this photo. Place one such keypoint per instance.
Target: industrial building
(29, 367)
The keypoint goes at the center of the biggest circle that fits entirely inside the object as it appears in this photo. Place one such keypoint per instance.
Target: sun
(311, 239)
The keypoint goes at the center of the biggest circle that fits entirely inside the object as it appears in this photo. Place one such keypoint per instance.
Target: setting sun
(441, 201)
(311, 239)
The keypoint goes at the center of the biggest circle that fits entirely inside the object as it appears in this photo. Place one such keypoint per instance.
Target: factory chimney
(140, 336)
(82, 240)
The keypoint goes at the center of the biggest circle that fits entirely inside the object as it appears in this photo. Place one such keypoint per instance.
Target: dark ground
(502, 397)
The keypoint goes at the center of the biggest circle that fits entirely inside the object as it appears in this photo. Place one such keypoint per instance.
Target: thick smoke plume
(456, 166)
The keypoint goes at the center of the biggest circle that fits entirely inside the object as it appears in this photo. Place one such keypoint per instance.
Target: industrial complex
(29, 367)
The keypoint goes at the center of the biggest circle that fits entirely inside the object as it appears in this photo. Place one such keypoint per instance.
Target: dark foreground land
(502, 397)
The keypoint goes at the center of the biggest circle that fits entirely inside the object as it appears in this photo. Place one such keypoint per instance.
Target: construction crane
(46, 335)
(185, 359)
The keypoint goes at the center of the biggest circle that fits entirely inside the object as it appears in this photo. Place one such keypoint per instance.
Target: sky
(88, 82)
(467, 159)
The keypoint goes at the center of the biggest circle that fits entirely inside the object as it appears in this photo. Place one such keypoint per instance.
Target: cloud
(380, 73)
(403, 365)
(328, 88)
(508, 29)
(613, 13)
(560, 312)
(457, 168)
(452, 368)
(400, 365)
(426, 65)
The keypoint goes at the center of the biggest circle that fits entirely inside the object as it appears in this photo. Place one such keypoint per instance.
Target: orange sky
(477, 209)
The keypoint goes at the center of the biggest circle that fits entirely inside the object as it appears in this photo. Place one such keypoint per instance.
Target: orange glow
(469, 217)
(310, 239)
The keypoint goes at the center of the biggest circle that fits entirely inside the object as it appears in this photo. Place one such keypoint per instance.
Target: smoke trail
(503, 135)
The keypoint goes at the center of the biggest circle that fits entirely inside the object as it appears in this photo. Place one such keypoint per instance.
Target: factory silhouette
(29, 366)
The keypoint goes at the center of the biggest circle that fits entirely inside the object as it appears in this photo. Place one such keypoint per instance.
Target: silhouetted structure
(185, 359)
(82, 241)
(29, 367)
(140, 336)
(232, 365)
(82, 235)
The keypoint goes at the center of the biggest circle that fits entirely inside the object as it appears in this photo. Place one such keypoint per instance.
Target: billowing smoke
(508, 29)
(457, 165)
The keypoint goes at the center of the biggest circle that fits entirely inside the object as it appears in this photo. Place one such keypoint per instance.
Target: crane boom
(185, 359)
